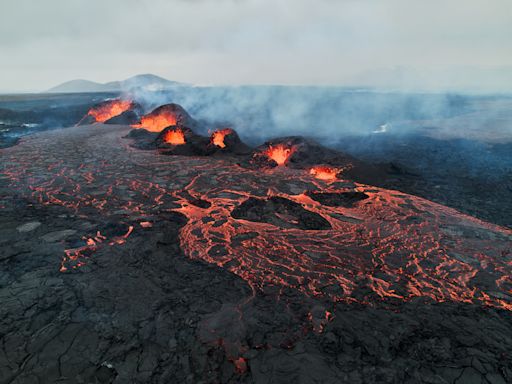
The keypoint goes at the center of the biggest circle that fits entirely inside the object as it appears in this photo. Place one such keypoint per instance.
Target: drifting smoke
(325, 113)
(373, 125)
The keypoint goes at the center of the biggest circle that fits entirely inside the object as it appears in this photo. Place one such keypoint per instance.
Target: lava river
(275, 228)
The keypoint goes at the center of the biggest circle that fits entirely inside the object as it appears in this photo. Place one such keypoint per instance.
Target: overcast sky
(339, 42)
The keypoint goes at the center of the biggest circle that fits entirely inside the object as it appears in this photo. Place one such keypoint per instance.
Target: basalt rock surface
(280, 212)
(125, 118)
(119, 265)
(338, 199)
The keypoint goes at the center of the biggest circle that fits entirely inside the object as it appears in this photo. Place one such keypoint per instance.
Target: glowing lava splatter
(109, 109)
(280, 153)
(156, 122)
(174, 137)
(218, 136)
(324, 173)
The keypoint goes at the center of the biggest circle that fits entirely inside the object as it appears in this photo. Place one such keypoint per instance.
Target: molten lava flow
(174, 137)
(218, 137)
(280, 153)
(76, 257)
(157, 122)
(382, 246)
(109, 110)
(324, 173)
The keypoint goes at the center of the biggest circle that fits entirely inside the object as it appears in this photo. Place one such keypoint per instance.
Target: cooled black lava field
(146, 250)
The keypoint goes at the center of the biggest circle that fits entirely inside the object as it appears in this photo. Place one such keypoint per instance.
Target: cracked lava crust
(294, 257)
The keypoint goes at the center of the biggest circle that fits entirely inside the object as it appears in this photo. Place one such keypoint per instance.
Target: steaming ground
(453, 149)
(108, 278)
(137, 306)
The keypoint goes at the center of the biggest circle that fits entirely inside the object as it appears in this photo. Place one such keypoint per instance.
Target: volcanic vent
(226, 141)
(163, 117)
(112, 112)
(175, 140)
(173, 131)
(299, 152)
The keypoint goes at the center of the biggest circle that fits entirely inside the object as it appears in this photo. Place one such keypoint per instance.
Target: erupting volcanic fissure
(109, 109)
(156, 122)
(174, 137)
(308, 262)
(280, 153)
(286, 227)
(218, 136)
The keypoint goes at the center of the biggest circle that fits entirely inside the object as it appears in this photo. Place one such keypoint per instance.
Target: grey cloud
(247, 41)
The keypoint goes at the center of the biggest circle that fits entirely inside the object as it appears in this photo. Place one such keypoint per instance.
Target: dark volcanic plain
(125, 265)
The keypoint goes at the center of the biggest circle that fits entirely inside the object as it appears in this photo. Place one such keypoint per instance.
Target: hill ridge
(146, 80)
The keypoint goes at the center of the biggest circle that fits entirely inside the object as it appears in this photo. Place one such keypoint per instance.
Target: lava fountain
(323, 173)
(156, 122)
(218, 136)
(279, 153)
(174, 137)
(109, 109)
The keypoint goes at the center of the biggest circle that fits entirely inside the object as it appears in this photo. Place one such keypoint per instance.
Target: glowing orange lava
(109, 110)
(157, 122)
(324, 173)
(393, 247)
(175, 137)
(218, 137)
(240, 365)
(279, 153)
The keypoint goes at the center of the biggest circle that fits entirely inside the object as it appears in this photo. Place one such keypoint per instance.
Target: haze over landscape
(435, 45)
(256, 191)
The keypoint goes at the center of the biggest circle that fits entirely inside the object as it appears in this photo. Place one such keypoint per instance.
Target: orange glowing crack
(391, 246)
(76, 257)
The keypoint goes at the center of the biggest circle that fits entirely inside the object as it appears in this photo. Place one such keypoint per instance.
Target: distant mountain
(79, 86)
(146, 81)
